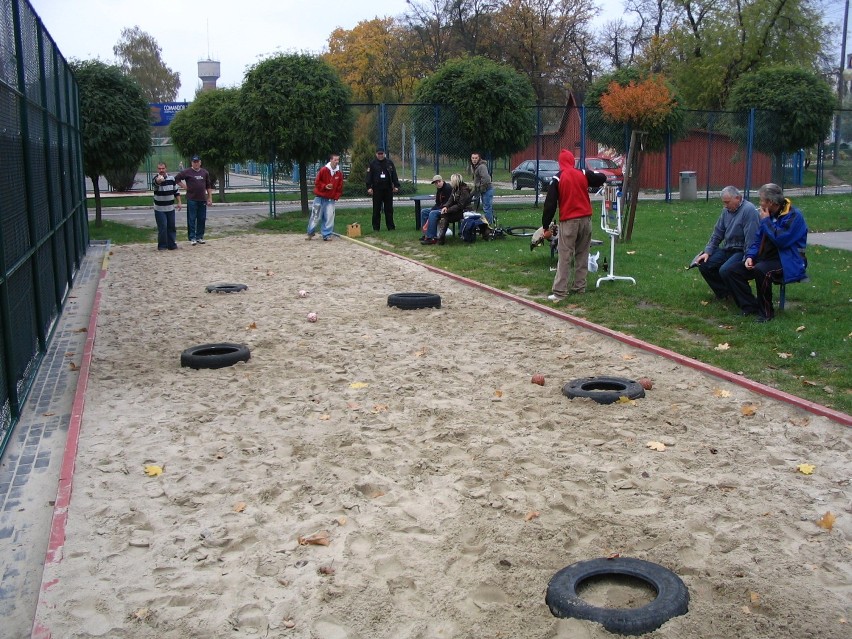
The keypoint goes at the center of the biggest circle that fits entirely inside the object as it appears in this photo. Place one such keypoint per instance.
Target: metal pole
(841, 85)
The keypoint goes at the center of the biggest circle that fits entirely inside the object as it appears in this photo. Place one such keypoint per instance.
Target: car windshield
(600, 163)
(545, 165)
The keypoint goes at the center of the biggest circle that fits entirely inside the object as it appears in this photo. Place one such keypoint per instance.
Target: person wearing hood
(777, 253)
(328, 187)
(568, 192)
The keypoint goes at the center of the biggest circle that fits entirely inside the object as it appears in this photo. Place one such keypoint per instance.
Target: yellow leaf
(827, 520)
(754, 597)
(658, 446)
(239, 507)
(358, 385)
(625, 400)
(628, 356)
(806, 469)
(718, 392)
(498, 393)
(800, 329)
(631, 252)
(785, 355)
(722, 347)
(533, 514)
(153, 471)
(325, 417)
(748, 410)
(704, 302)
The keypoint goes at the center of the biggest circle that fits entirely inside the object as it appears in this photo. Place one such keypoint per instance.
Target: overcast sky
(238, 33)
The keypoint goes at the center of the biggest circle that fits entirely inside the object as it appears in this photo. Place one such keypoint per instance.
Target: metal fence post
(749, 151)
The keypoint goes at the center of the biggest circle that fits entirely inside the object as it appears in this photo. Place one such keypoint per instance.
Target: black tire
(214, 355)
(226, 288)
(520, 231)
(604, 390)
(672, 595)
(515, 184)
(411, 301)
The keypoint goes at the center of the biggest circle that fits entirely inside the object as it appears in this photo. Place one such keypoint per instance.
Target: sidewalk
(30, 468)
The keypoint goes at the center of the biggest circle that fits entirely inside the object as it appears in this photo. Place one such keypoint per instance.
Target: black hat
(380, 150)
(195, 157)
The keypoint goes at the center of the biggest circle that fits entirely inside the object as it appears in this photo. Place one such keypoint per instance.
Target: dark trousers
(166, 231)
(383, 198)
(738, 282)
(715, 270)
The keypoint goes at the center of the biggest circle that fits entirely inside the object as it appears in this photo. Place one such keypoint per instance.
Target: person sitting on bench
(453, 211)
(776, 254)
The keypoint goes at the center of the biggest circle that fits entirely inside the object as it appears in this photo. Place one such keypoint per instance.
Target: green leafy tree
(139, 57)
(209, 127)
(794, 108)
(485, 106)
(114, 122)
(295, 109)
(610, 130)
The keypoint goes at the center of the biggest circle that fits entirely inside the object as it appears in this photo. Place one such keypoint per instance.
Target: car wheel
(604, 390)
(515, 184)
(412, 301)
(214, 355)
(226, 288)
(672, 598)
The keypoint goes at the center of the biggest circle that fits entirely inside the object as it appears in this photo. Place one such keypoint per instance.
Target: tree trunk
(221, 171)
(303, 186)
(97, 190)
(631, 180)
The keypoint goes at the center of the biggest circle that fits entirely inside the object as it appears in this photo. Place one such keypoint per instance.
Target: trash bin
(688, 185)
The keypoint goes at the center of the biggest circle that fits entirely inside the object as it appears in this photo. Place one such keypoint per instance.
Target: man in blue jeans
(482, 186)
(199, 195)
(735, 230)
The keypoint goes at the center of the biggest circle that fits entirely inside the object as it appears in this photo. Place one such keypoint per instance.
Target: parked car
(614, 175)
(524, 174)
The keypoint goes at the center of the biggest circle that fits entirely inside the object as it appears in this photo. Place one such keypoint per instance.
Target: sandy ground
(449, 488)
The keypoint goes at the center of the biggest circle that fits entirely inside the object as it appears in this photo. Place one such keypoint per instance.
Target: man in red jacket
(569, 191)
(328, 187)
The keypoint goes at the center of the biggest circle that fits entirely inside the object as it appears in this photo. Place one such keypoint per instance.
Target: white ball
(449, 233)
(312, 317)
(303, 293)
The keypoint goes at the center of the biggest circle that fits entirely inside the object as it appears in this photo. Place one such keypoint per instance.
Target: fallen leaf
(141, 614)
(48, 414)
(253, 325)
(704, 302)
(269, 273)
(498, 393)
(624, 399)
(319, 538)
(153, 471)
(82, 330)
(341, 521)
(358, 385)
(727, 327)
(748, 410)
(799, 329)
(564, 357)
(239, 507)
(828, 389)
(785, 355)
(420, 353)
(325, 417)
(718, 392)
(326, 570)
(722, 347)
(803, 421)
(73, 366)
(353, 405)
(807, 382)
(827, 521)
(806, 469)
(754, 597)
(628, 356)
(533, 514)
(614, 555)
(747, 610)
(380, 408)
(631, 252)
(658, 446)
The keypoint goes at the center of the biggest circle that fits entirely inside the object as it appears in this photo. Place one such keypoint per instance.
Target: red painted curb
(66, 472)
(768, 391)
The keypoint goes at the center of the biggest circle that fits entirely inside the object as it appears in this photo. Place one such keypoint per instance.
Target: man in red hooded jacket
(328, 187)
(569, 191)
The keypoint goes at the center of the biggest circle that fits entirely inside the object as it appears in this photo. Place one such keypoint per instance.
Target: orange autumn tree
(646, 106)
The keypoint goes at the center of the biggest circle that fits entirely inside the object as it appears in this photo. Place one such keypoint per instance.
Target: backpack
(470, 227)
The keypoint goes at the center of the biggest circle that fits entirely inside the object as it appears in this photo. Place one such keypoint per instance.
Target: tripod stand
(611, 225)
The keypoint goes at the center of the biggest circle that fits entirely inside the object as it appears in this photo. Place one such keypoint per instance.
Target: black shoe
(762, 319)
(428, 241)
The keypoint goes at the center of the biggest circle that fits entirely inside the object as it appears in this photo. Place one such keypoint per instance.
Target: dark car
(614, 175)
(525, 175)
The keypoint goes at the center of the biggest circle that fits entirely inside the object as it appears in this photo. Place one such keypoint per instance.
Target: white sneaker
(200, 241)
(554, 298)
(193, 243)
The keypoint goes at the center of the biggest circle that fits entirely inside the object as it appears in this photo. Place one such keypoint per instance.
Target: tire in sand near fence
(604, 390)
(410, 301)
(226, 288)
(214, 355)
(672, 597)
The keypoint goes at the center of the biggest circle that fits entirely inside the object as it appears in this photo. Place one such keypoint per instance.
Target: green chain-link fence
(43, 221)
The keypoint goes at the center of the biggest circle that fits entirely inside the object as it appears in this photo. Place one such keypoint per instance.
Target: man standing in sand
(166, 197)
(382, 183)
(199, 195)
(328, 187)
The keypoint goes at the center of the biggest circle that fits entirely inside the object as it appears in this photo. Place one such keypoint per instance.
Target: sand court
(385, 473)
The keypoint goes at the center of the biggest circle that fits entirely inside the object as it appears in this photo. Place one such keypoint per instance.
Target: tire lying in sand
(604, 390)
(226, 288)
(214, 355)
(672, 597)
(411, 301)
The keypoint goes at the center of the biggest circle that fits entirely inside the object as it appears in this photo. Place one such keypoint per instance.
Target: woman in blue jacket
(777, 254)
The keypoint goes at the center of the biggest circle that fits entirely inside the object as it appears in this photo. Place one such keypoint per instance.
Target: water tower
(208, 73)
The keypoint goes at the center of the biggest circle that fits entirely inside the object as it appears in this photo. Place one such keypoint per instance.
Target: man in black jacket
(382, 183)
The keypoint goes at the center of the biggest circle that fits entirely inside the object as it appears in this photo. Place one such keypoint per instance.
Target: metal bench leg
(783, 295)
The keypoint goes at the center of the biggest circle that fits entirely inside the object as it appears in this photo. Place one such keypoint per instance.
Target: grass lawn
(805, 351)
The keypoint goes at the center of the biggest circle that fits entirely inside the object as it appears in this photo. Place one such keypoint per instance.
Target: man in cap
(199, 195)
(429, 217)
(382, 183)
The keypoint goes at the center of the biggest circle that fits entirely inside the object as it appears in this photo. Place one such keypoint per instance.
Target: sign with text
(162, 113)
